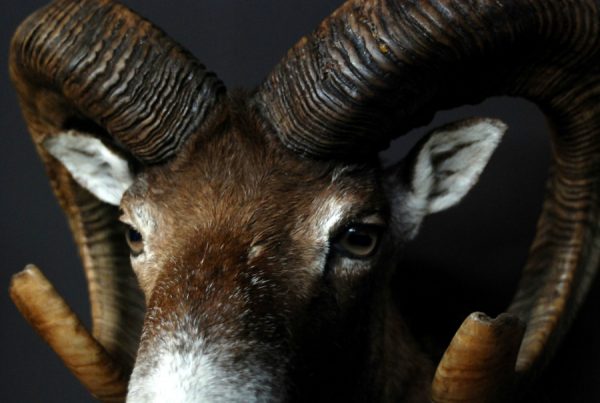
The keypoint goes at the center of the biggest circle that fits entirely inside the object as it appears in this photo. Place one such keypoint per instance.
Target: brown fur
(235, 249)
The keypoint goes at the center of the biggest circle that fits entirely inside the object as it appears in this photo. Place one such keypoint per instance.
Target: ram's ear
(441, 169)
(96, 167)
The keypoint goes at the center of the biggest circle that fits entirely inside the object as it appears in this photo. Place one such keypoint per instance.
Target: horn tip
(479, 364)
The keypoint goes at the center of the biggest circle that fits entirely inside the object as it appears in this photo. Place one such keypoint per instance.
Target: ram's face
(238, 246)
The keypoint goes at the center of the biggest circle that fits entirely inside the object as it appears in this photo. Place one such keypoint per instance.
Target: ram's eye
(359, 241)
(134, 240)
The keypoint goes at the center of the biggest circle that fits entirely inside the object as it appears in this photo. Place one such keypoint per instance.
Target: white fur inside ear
(451, 160)
(93, 165)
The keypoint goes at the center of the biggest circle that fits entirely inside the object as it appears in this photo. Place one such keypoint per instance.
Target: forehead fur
(239, 172)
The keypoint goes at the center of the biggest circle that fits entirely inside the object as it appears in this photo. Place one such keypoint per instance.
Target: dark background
(470, 254)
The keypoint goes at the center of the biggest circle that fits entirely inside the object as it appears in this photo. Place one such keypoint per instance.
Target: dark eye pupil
(359, 238)
(135, 241)
(133, 235)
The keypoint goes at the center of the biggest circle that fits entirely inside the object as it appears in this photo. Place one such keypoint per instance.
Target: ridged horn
(97, 67)
(375, 68)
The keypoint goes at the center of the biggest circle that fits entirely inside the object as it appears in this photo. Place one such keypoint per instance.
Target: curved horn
(57, 324)
(98, 67)
(375, 68)
(99, 60)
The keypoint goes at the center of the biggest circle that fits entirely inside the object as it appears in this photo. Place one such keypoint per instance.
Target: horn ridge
(361, 56)
(89, 54)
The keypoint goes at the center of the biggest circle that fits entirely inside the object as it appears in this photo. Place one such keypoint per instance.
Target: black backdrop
(471, 253)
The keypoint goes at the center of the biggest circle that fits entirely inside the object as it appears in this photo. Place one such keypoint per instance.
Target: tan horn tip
(51, 317)
(479, 364)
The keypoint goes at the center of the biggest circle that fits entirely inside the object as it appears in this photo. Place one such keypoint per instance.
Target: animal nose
(189, 369)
